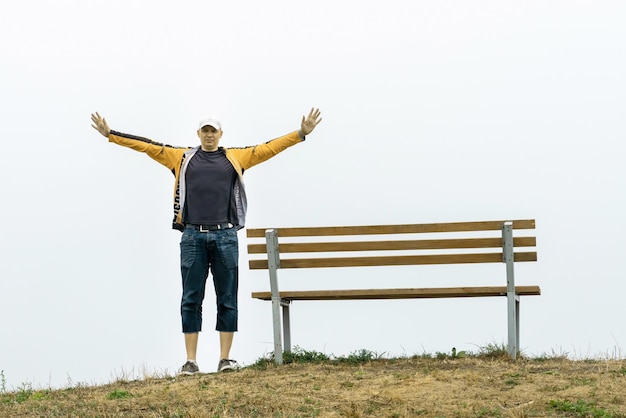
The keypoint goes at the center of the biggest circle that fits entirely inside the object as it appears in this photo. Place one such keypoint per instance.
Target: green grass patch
(119, 394)
(301, 356)
(581, 409)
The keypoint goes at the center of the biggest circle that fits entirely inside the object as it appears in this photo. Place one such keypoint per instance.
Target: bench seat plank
(415, 293)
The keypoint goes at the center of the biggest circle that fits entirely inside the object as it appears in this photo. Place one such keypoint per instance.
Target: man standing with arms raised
(209, 208)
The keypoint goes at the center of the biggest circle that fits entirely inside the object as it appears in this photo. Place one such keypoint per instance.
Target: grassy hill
(360, 385)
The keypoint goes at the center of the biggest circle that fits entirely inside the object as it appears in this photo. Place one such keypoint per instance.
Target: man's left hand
(310, 122)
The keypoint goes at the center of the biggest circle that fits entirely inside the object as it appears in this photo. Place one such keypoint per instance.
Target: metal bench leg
(511, 296)
(286, 326)
(273, 260)
(513, 322)
(517, 322)
(278, 349)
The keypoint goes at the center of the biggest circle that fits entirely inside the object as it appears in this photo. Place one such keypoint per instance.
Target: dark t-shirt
(209, 189)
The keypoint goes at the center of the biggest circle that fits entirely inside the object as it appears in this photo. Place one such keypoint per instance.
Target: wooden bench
(435, 243)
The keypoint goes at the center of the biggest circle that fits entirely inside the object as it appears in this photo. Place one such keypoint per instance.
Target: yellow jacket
(176, 159)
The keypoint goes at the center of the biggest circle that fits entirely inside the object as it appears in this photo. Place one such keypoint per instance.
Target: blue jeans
(217, 251)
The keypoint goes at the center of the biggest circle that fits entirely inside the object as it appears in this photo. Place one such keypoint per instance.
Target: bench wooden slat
(392, 261)
(416, 293)
(393, 229)
(398, 245)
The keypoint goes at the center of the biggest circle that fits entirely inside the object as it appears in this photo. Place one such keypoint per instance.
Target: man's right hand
(100, 124)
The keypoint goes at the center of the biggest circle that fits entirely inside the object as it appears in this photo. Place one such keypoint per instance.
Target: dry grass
(410, 387)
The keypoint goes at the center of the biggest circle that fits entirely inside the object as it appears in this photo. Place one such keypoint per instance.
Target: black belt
(207, 228)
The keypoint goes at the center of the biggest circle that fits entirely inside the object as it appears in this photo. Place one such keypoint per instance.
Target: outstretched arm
(164, 154)
(100, 124)
(310, 122)
(251, 156)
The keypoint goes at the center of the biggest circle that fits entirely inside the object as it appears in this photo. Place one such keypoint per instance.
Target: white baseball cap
(210, 121)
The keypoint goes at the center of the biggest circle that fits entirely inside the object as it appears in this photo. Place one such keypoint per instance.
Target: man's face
(209, 138)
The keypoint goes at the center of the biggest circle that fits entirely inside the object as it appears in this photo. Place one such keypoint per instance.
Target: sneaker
(189, 368)
(226, 365)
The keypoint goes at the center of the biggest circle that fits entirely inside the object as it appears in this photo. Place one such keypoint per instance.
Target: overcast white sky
(434, 111)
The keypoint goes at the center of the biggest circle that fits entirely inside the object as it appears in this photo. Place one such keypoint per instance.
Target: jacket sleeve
(166, 155)
(251, 156)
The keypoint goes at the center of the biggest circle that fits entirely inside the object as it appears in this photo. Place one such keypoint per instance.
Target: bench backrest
(447, 243)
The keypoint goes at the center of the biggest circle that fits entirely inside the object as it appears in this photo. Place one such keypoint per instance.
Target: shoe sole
(228, 369)
(186, 373)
